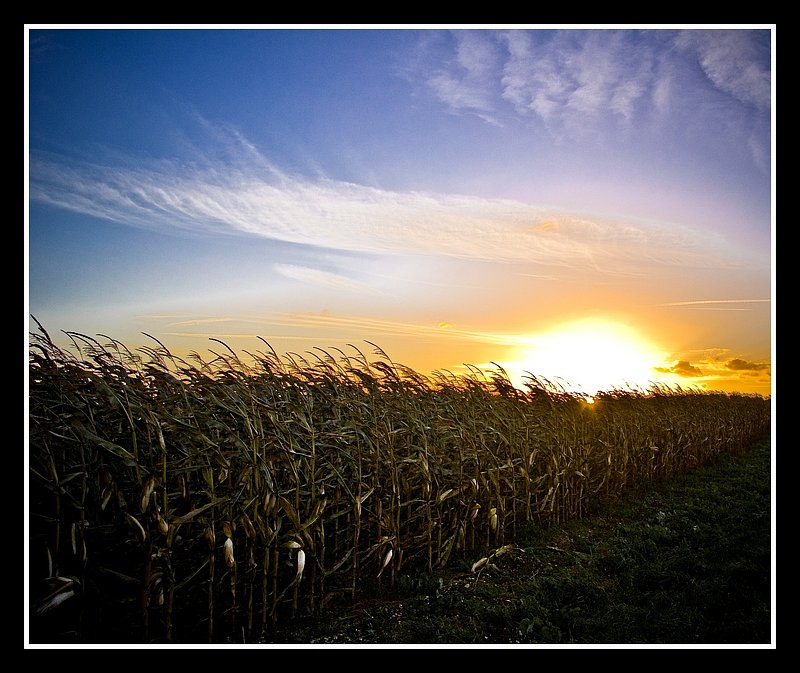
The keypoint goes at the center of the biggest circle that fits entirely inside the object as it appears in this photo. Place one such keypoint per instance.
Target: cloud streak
(711, 304)
(248, 196)
(318, 277)
(324, 320)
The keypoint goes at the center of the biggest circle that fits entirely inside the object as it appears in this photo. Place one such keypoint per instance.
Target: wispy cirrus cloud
(246, 195)
(552, 75)
(577, 81)
(468, 81)
(735, 62)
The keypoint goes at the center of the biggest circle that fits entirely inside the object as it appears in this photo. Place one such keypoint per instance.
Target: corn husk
(230, 561)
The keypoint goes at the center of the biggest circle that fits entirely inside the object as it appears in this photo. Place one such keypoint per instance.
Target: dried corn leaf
(137, 527)
(64, 589)
(480, 563)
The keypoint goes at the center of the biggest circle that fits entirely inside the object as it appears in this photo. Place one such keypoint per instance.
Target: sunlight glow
(588, 356)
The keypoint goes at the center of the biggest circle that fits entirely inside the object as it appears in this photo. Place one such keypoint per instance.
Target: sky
(591, 207)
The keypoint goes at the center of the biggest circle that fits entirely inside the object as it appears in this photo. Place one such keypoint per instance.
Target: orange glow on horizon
(591, 355)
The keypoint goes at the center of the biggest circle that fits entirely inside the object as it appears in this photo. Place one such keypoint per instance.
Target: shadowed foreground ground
(686, 564)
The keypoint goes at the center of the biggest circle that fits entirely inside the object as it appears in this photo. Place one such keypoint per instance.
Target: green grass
(688, 563)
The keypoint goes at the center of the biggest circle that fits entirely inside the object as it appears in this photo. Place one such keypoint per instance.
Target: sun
(588, 356)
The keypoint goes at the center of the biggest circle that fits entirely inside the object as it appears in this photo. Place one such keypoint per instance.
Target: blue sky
(539, 198)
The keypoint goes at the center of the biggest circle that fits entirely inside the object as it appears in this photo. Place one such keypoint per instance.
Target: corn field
(201, 500)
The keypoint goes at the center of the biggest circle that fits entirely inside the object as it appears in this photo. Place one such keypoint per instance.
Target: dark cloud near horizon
(738, 364)
(682, 368)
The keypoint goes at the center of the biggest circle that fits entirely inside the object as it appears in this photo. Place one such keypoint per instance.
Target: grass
(688, 563)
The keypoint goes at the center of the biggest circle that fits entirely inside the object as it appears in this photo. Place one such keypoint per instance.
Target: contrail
(717, 301)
